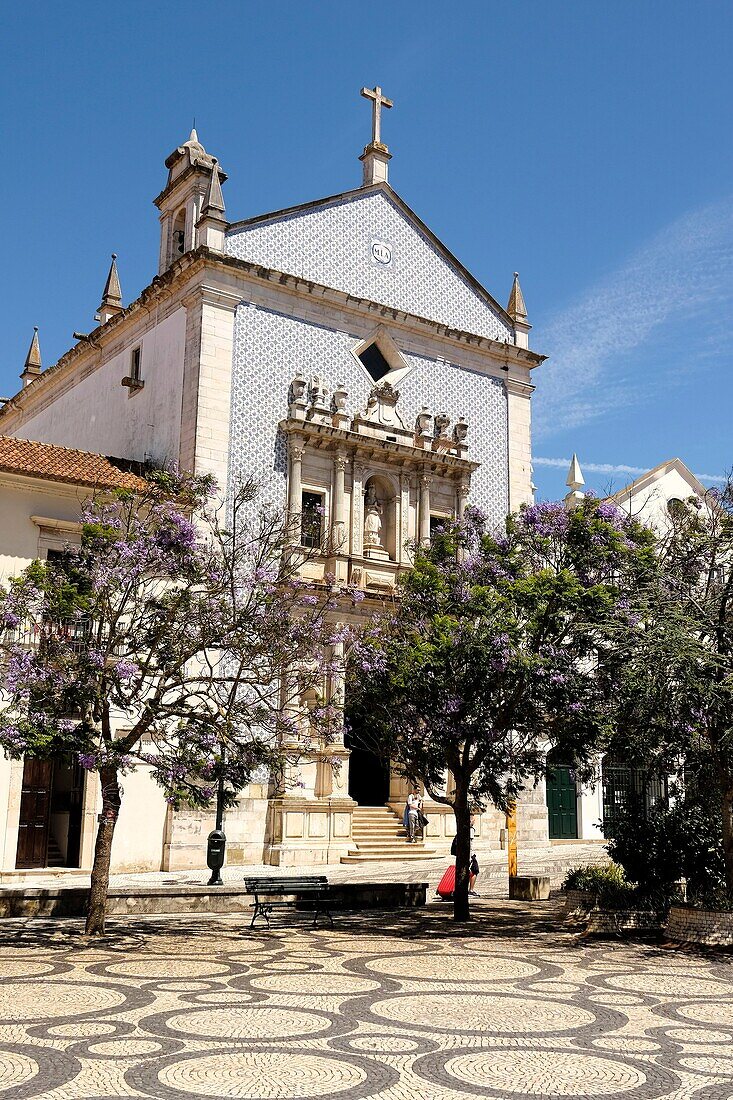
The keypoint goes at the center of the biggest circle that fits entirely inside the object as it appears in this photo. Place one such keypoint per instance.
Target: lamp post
(217, 841)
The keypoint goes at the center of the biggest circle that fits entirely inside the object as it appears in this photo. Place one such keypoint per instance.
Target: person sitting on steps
(412, 813)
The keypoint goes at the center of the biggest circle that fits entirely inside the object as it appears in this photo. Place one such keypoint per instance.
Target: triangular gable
(368, 243)
(651, 481)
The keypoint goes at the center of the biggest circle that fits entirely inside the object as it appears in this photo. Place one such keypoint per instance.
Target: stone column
(461, 499)
(296, 446)
(462, 491)
(425, 483)
(357, 510)
(403, 524)
(338, 519)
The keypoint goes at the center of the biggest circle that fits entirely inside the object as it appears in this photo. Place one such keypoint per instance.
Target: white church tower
(193, 189)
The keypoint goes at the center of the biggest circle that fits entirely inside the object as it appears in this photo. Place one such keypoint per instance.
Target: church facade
(340, 354)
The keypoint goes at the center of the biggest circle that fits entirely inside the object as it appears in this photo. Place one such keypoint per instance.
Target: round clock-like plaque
(381, 253)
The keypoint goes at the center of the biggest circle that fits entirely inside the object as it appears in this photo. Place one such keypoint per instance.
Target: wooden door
(562, 803)
(35, 811)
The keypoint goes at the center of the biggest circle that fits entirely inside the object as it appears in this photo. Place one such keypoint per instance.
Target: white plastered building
(576, 812)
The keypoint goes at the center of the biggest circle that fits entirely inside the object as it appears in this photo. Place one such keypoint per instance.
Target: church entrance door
(368, 772)
(562, 803)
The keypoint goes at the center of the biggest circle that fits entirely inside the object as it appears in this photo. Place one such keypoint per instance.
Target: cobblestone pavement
(391, 1006)
(553, 861)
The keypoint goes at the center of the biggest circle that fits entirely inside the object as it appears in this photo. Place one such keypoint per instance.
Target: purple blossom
(88, 761)
(309, 601)
(547, 519)
(178, 534)
(357, 596)
(127, 670)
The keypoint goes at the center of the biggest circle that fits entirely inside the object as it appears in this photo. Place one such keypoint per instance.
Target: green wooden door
(562, 803)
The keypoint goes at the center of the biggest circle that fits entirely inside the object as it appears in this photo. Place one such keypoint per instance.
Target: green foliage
(609, 886)
(659, 847)
(595, 878)
(675, 693)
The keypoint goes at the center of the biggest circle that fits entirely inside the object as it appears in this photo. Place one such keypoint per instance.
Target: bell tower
(182, 201)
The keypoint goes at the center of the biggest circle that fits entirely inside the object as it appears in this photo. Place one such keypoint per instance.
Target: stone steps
(380, 836)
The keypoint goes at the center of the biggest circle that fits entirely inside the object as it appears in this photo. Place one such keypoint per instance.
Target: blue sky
(586, 145)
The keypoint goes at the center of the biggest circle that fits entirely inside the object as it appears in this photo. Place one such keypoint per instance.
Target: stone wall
(704, 926)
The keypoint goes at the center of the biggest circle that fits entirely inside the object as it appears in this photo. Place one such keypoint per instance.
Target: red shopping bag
(447, 884)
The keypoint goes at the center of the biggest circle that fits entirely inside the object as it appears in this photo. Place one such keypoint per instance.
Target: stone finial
(340, 398)
(33, 365)
(298, 397)
(516, 308)
(111, 295)
(575, 482)
(214, 200)
(460, 431)
(442, 440)
(376, 155)
(211, 226)
(424, 428)
(320, 407)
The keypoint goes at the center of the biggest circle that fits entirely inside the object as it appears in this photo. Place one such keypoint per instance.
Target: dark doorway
(562, 801)
(51, 804)
(368, 773)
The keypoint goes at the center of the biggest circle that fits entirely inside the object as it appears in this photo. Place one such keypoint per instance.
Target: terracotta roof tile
(52, 463)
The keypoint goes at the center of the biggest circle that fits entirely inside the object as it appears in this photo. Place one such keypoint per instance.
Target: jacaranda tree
(498, 647)
(675, 697)
(170, 640)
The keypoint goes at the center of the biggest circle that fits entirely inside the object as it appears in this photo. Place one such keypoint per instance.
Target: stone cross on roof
(378, 101)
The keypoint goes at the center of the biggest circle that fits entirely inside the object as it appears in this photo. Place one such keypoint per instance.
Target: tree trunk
(726, 800)
(111, 800)
(461, 907)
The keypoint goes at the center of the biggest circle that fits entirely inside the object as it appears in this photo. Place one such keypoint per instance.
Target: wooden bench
(289, 889)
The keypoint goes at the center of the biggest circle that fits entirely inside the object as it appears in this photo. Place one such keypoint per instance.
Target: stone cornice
(516, 386)
(172, 281)
(413, 459)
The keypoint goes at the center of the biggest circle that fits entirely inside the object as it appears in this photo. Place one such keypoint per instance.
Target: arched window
(178, 237)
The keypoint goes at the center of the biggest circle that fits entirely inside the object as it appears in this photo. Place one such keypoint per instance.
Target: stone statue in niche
(373, 512)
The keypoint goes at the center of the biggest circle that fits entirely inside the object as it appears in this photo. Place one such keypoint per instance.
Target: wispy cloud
(611, 468)
(685, 273)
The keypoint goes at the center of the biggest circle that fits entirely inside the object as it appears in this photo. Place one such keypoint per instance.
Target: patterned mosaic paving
(377, 1008)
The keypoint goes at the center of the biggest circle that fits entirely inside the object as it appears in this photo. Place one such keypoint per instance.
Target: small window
(133, 381)
(438, 525)
(311, 523)
(374, 362)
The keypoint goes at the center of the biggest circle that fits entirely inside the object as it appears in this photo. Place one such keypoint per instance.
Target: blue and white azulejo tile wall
(364, 244)
(270, 348)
